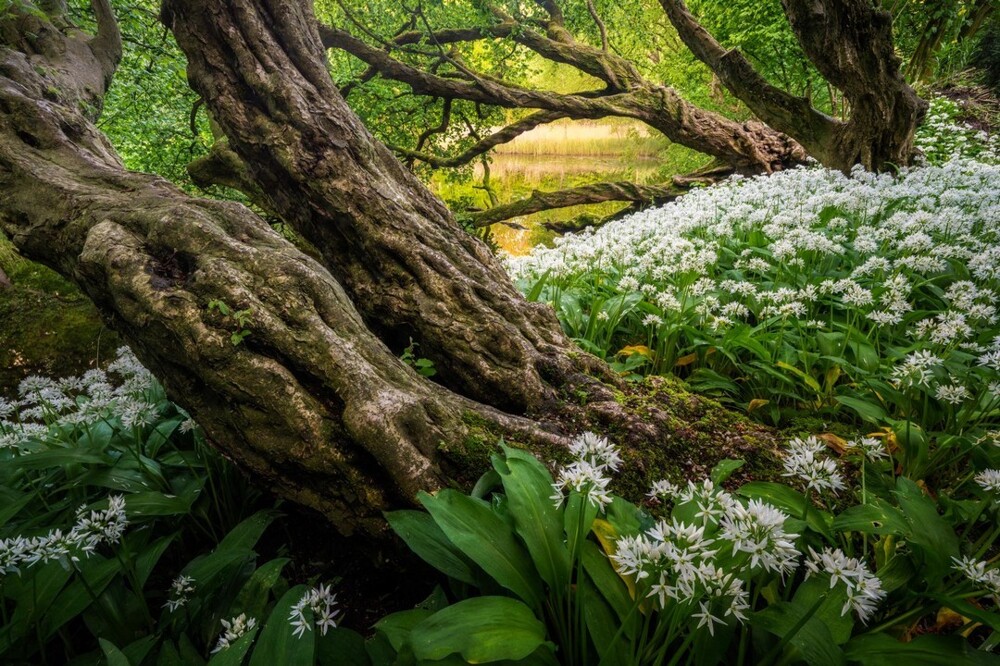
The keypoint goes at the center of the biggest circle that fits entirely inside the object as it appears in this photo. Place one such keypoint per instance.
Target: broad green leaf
(725, 469)
(482, 629)
(341, 647)
(114, 656)
(487, 540)
(255, 593)
(884, 650)
(868, 411)
(425, 538)
(397, 627)
(236, 652)
(929, 531)
(602, 624)
(579, 517)
(528, 486)
(813, 639)
(791, 502)
(277, 644)
(246, 534)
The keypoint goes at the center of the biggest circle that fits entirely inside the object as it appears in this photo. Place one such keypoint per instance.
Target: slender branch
(484, 145)
(599, 23)
(106, 45)
(578, 196)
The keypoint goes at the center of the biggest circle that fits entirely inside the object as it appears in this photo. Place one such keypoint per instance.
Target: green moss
(47, 326)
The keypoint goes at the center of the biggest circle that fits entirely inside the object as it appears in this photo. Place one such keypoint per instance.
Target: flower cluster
(864, 590)
(828, 279)
(181, 590)
(323, 606)
(980, 574)
(233, 630)
(44, 402)
(588, 474)
(706, 564)
(92, 528)
(804, 460)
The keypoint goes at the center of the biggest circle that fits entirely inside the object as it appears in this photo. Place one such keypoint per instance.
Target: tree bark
(850, 43)
(311, 400)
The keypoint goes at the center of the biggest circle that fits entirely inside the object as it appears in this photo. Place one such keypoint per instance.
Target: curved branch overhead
(579, 196)
(749, 147)
(850, 43)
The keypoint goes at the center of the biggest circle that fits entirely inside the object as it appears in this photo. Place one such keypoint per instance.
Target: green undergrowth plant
(829, 568)
(125, 540)
(861, 297)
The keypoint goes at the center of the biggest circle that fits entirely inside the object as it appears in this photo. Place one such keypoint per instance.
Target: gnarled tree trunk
(314, 401)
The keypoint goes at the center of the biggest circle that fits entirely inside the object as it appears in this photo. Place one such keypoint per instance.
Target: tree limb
(578, 196)
(484, 145)
(107, 43)
(779, 109)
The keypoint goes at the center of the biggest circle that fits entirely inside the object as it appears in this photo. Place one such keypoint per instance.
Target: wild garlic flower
(91, 529)
(97, 527)
(596, 450)
(804, 461)
(585, 478)
(663, 491)
(759, 530)
(953, 394)
(989, 480)
(978, 573)
(322, 604)
(588, 474)
(864, 590)
(915, 369)
(180, 592)
(871, 447)
(233, 630)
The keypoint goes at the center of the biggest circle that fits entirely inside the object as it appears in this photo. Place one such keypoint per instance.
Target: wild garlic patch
(803, 288)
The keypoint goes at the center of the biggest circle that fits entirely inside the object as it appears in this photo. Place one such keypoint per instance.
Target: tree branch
(578, 196)
(106, 45)
(779, 109)
(484, 145)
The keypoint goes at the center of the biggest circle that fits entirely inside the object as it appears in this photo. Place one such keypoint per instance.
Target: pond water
(515, 176)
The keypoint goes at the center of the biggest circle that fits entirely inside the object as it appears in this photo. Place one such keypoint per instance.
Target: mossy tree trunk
(314, 399)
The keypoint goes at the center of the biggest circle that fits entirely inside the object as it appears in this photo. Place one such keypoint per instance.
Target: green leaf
(114, 656)
(155, 503)
(482, 629)
(929, 531)
(397, 627)
(246, 534)
(341, 647)
(57, 458)
(426, 539)
(602, 624)
(235, 654)
(537, 521)
(487, 540)
(883, 650)
(254, 596)
(813, 639)
(277, 644)
(725, 469)
(579, 518)
(868, 411)
(791, 502)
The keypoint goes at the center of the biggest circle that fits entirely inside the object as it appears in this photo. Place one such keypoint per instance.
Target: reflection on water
(515, 176)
